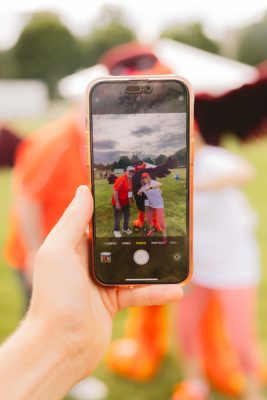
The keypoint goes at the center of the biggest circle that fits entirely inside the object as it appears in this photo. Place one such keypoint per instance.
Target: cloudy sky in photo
(147, 135)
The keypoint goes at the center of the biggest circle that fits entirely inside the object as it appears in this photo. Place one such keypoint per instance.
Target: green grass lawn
(159, 388)
(174, 197)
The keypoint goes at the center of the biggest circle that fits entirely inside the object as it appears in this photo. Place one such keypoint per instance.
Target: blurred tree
(46, 50)
(191, 34)
(108, 31)
(114, 165)
(8, 66)
(252, 43)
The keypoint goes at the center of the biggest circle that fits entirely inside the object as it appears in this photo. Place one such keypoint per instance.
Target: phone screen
(139, 138)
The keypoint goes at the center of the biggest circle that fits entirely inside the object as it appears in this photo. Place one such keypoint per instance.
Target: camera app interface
(139, 142)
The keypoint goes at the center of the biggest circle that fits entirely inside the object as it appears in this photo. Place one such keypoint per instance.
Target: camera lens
(148, 89)
(133, 89)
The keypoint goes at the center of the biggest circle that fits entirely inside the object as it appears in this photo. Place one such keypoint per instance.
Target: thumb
(72, 225)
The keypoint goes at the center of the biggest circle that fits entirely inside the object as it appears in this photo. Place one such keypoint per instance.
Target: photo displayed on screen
(139, 158)
(139, 175)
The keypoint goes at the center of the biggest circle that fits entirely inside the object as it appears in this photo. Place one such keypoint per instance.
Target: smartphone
(140, 163)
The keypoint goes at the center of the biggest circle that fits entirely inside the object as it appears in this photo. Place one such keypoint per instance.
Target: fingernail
(80, 191)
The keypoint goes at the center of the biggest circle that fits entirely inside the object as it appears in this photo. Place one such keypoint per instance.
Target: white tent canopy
(22, 98)
(74, 86)
(207, 72)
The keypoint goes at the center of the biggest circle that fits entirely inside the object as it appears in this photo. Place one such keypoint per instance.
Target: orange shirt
(49, 168)
(123, 186)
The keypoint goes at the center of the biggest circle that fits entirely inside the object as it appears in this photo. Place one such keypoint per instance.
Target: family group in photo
(148, 197)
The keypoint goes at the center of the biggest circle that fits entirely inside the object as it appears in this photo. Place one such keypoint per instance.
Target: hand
(29, 267)
(118, 206)
(77, 312)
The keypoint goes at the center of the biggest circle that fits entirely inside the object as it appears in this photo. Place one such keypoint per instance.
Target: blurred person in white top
(226, 266)
(225, 247)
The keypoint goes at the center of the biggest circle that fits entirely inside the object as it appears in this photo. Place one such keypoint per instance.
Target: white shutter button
(141, 257)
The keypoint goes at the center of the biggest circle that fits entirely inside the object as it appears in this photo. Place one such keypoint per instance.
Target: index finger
(151, 295)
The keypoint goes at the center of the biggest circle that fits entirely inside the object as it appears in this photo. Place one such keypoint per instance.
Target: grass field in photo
(174, 197)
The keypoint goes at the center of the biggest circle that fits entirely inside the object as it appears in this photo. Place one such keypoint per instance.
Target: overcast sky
(148, 17)
(147, 135)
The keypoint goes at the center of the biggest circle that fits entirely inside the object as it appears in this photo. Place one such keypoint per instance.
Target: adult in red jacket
(122, 193)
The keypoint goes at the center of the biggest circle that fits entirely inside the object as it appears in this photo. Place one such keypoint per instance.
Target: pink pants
(160, 216)
(238, 308)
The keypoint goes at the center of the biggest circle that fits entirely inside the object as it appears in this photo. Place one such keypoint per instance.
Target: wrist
(52, 366)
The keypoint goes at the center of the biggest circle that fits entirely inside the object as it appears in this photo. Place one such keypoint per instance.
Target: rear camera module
(147, 89)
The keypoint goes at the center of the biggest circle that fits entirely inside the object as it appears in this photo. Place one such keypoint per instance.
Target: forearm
(116, 196)
(34, 366)
(155, 185)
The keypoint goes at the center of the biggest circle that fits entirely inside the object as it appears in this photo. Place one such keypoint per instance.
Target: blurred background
(43, 41)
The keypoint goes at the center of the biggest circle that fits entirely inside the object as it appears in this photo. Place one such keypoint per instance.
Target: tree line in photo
(125, 161)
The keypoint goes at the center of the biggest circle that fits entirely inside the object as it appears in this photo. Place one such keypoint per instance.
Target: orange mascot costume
(49, 167)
